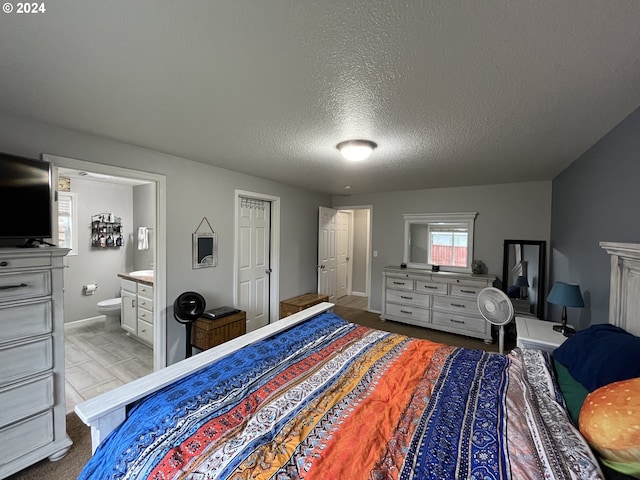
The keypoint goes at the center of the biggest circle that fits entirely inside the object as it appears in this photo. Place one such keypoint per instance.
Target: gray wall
(595, 199)
(194, 190)
(91, 264)
(518, 211)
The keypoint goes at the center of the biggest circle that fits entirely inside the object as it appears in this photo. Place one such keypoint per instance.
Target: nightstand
(535, 333)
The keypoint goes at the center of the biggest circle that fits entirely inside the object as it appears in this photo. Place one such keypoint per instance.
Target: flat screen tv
(26, 196)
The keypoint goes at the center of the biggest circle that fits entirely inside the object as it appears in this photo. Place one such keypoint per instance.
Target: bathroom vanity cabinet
(33, 413)
(137, 309)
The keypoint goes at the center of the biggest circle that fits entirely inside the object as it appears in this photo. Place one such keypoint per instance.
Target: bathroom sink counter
(146, 280)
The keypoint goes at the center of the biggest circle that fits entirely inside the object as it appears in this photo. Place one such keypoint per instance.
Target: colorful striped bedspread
(333, 400)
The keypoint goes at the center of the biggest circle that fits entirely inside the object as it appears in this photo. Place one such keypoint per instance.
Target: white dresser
(32, 399)
(439, 300)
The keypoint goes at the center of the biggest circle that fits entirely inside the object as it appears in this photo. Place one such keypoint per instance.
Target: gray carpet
(70, 466)
(372, 320)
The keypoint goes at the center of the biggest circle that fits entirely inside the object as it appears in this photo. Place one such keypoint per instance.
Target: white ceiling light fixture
(356, 150)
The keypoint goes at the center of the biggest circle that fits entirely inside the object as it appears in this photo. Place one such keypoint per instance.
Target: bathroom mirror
(205, 247)
(523, 275)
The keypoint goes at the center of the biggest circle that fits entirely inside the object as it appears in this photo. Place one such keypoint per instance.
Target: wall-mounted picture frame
(205, 249)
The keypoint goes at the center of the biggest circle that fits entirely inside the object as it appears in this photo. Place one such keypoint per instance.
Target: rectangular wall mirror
(523, 275)
(442, 239)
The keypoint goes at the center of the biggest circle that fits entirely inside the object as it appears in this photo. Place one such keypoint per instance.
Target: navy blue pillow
(600, 355)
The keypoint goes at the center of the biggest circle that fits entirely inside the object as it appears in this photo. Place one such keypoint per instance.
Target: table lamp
(523, 283)
(567, 295)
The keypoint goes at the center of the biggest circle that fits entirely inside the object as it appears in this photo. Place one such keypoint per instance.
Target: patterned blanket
(329, 399)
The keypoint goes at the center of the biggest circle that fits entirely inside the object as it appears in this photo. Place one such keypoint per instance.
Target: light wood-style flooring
(353, 301)
(97, 360)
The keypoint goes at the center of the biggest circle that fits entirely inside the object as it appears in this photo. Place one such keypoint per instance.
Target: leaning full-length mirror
(523, 275)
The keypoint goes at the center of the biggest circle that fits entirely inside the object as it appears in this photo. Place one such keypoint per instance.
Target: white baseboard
(358, 294)
(86, 320)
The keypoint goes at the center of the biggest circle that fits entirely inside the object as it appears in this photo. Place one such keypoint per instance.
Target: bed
(314, 396)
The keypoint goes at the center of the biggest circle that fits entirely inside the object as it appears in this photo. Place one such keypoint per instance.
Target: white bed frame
(105, 412)
(624, 298)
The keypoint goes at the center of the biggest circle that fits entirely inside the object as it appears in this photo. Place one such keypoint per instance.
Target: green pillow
(572, 390)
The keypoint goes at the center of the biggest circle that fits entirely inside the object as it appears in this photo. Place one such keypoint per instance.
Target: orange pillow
(610, 420)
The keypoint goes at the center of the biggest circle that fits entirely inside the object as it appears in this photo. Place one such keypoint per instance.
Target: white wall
(194, 190)
(519, 211)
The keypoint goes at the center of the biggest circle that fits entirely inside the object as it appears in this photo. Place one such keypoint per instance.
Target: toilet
(111, 309)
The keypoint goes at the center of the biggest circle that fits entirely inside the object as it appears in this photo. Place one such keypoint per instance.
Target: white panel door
(343, 220)
(327, 263)
(254, 266)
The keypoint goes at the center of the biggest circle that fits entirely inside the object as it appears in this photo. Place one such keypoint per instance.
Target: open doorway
(133, 199)
(344, 258)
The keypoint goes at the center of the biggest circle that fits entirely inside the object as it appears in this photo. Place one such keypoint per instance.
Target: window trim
(73, 198)
(457, 218)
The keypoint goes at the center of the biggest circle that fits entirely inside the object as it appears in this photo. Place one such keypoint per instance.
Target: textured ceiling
(453, 92)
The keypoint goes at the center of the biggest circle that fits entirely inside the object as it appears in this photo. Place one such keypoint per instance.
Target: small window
(443, 239)
(68, 221)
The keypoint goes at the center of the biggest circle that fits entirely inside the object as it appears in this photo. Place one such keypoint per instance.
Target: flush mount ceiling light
(356, 150)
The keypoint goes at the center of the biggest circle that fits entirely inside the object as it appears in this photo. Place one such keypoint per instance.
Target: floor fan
(187, 308)
(497, 309)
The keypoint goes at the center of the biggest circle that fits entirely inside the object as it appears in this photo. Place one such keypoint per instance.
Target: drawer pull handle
(459, 305)
(431, 287)
(4, 263)
(407, 312)
(456, 321)
(398, 283)
(7, 287)
(468, 291)
(406, 298)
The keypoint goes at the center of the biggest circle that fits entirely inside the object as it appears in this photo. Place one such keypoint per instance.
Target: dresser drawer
(409, 298)
(18, 439)
(408, 312)
(431, 287)
(25, 320)
(38, 391)
(145, 290)
(461, 323)
(401, 283)
(145, 331)
(26, 358)
(7, 263)
(19, 285)
(456, 305)
(465, 290)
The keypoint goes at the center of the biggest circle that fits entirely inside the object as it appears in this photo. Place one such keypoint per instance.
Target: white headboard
(624, 300)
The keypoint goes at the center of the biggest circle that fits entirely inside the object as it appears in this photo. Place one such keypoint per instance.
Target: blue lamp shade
(521, 281)
(566, 294)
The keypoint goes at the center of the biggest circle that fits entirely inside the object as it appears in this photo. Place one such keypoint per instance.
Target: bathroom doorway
(137, 199)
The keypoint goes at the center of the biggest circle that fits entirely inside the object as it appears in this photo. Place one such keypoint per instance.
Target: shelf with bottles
(106, 231)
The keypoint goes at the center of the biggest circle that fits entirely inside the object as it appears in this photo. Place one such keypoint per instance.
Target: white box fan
(497, 309)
